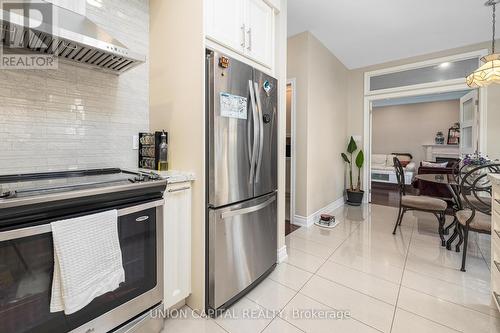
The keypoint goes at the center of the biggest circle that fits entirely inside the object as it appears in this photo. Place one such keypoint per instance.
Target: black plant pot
(355, 198)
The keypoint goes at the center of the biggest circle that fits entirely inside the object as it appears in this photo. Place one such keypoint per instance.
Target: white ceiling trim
(441, 97)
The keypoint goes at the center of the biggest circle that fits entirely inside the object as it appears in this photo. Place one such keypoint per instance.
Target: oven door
(26, 268)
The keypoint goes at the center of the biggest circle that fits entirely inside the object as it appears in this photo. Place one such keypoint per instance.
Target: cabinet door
(224, 23)
(177, 239)
(259, 19)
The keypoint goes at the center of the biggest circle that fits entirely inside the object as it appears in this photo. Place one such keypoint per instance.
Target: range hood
(70, 36)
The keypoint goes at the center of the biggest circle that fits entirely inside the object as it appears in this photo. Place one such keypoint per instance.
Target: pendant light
(489, 72)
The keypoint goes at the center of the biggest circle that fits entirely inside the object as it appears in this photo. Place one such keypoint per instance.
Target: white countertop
(174, 176)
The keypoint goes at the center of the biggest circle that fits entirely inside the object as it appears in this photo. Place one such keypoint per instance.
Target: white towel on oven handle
(87, 260)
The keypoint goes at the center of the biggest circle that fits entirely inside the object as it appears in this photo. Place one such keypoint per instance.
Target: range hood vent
(71, 37)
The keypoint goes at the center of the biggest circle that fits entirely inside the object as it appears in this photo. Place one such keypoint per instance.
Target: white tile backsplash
(77, 117)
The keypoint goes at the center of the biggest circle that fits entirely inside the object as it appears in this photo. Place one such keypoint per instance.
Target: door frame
(292, 82)
(416, 90)
(367, 121)
(472, 95)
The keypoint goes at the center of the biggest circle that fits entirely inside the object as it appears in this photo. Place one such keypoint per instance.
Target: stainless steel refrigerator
(242, 178)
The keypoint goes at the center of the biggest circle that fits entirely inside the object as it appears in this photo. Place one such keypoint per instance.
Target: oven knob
(139, 178)
(153, 176)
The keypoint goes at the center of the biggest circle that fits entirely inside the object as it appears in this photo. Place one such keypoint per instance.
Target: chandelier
(489, 72)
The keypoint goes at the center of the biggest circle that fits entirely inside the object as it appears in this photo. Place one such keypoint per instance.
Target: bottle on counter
(163, 150)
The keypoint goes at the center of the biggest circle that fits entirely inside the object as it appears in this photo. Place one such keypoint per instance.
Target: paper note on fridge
(233, 106)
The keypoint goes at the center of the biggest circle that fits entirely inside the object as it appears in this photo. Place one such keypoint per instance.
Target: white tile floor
(403, 283)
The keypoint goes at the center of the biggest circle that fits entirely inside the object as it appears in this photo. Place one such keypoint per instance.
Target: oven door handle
(45, 228)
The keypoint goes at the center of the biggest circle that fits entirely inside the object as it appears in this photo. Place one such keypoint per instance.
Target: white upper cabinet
(225, 22)
(260, 31)
(244, 26)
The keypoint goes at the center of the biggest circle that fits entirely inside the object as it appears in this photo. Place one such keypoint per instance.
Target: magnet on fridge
(267, 86)
(224, 62)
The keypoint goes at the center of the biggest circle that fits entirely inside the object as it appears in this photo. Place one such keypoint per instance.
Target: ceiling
(367, 32)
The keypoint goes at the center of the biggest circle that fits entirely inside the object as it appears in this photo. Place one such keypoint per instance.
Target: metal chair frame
(476, 184)
(439, 214)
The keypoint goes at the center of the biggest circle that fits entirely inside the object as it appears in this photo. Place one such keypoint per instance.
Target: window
(435, 72)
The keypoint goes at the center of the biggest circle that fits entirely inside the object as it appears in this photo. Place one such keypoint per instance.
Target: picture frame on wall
(454, 136)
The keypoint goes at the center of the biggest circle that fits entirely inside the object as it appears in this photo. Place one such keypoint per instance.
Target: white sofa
(382, 169)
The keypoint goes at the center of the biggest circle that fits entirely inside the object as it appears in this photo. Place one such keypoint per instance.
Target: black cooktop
(36, 184)
(35, 198)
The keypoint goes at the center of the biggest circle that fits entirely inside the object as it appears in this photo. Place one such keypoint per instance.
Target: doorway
(290, 157)
(435, 76)
(422, 131)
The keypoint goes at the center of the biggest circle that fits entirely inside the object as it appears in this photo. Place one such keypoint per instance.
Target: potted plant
(354, 194)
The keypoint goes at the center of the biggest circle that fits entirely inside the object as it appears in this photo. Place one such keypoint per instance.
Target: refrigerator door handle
(249, 138)
(248, 210)
(255, 132)
(261, 126)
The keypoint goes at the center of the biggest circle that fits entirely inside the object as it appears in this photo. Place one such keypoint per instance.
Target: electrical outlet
(135, 142)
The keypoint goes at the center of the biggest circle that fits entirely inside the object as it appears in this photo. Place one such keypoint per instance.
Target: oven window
(26, 267)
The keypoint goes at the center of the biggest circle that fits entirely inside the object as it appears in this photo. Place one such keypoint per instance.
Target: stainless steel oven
(26, 268)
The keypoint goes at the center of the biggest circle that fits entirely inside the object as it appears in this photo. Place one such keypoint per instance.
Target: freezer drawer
(242, 247)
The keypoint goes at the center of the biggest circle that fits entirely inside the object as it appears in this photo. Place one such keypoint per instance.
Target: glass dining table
(452, 183)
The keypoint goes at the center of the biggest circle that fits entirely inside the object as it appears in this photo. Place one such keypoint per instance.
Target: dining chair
(418, 203)
(475, 215)
(458, 173)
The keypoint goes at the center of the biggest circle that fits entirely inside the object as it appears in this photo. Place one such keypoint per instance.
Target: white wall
(297, 68)
(321, 122)
(405, 128)
(177, 104)
(327, 107)
(493, 119)
(76, 117)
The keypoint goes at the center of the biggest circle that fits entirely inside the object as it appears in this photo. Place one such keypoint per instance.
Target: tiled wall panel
(77, 117)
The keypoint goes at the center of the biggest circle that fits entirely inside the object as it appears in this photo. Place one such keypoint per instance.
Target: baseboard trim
(309, 220)
(301, 221)
(282, 254)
